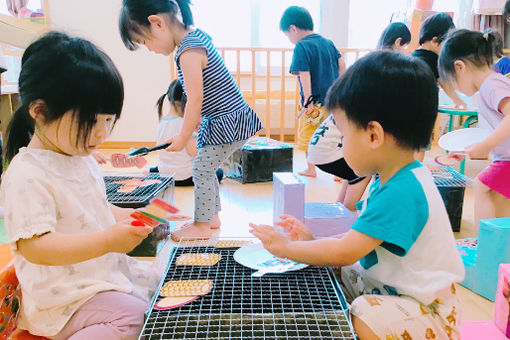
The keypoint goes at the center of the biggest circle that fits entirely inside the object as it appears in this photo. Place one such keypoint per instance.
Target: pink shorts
(497, 177)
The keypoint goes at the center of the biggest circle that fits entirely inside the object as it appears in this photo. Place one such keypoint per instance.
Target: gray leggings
(207, 188)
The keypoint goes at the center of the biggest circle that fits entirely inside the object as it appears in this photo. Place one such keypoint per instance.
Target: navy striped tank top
(226, 117)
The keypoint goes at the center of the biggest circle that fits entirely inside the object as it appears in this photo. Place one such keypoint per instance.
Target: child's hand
(178, 144)
(477, 151)
(99, 157)
(122, 237)
(297, 231)
(460, 104)
(274, 241)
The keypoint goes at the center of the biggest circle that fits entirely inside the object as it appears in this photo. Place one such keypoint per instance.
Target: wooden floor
(244, 203)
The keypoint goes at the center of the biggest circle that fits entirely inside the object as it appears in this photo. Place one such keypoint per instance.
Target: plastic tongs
(309, 101)
(145, 150)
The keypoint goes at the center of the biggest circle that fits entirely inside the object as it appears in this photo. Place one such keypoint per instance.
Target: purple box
(328, 219)
(288, 196)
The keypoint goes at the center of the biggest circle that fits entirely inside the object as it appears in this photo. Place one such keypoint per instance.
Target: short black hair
(391, 33)
(396, 90)
(497, 45)
(297, 16)
(469, 46)
(135, 13)
(437, 26)
(506, 11)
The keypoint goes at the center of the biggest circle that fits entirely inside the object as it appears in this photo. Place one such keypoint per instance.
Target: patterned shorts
(402, 317)
(308, 123)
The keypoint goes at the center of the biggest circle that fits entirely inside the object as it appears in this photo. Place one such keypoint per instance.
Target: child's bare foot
(308, 173)
(216, 223)
(194, 230)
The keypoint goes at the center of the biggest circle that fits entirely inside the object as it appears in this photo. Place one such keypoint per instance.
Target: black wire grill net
(303, 304)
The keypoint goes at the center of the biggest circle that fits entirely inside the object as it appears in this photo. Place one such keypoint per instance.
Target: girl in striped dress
(214, 100)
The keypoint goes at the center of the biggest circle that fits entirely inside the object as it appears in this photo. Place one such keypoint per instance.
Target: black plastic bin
(451, 185)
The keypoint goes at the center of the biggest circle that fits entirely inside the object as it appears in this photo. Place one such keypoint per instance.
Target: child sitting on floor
(399, 260)
(70, 244)
(179, 163)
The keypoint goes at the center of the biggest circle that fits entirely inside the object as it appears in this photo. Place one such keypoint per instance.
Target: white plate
(457, 140)
(254, 256)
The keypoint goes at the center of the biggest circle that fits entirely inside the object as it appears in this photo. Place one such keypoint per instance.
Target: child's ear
(156, 20)
(375, 134)
(398, 42)
(37, 109)
(459, 65)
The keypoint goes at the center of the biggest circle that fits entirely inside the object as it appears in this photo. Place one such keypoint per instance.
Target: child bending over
(179, 163)
(466, 62)
(214, 100)
(68, 242)
(399, 261)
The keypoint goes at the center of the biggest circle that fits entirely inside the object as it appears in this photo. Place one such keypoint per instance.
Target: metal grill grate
(303, 304)
(449, 177)
(141, 196)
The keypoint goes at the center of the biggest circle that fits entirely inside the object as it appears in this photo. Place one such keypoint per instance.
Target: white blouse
(43, 191)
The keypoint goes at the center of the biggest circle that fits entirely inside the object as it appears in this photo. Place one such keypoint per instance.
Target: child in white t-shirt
(399, 262)
(179, 163)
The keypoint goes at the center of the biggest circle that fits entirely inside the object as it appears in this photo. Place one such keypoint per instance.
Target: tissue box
(288, 196)
(258, 159)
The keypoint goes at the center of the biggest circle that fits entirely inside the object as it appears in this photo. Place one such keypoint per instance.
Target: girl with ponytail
(69, 244)
(214, 102)
(466, 62)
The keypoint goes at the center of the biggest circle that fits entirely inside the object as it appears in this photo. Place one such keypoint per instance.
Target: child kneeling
(399, 261)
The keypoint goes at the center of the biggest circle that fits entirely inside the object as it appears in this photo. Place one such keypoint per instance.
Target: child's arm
(323, 252)
(450, 92)
(341, 66)
(192, 62)
(58, 249)
(120, 214)
(306, 83)
(191, 147)
(481, 150)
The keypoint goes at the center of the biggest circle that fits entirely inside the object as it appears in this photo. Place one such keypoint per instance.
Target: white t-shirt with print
(179, 163)
(325, 144)
(43, 191)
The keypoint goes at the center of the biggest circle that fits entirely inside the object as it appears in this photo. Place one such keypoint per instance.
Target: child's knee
(362, 330)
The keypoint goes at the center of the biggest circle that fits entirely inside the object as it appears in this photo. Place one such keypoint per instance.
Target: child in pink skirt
(466, 61)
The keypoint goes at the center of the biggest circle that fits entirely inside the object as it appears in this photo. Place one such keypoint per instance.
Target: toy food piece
(145, 219)
(130, 185)
(174, 302)
(186, 288)
(230, 244)
(159, 219)
(137, 223)
(156, 211)
(119, 160)
(165, 206)
(198, 259)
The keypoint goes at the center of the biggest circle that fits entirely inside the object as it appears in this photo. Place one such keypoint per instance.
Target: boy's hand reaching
(122, 237)
(272, 239)
(297, 231)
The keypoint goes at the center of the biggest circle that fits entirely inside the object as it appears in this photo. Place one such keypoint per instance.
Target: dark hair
(297, 16)
(391, 33)
(66, 74)
(134, 16)
(175, 95)
(396, 90)
(469, 46)
(497, 45)
(437, 26)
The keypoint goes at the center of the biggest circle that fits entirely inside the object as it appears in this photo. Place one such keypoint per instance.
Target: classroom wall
(146, 75)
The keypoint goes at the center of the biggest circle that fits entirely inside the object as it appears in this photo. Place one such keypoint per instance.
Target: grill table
(451, 185)
(139, 198)
(305, 304)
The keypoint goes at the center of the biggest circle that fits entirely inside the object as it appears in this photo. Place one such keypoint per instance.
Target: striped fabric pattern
(226, 117)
